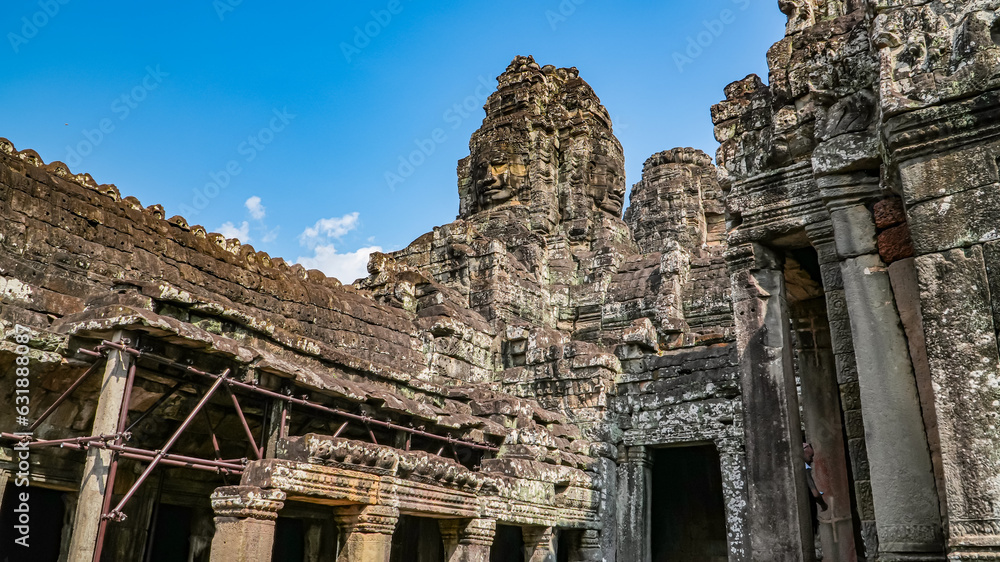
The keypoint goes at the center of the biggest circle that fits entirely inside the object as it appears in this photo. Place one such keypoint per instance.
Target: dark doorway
(45, 511)
(688, 514)
(838, 528)
(289, 540)
(172, 534)
(508, 545)
(416, 539)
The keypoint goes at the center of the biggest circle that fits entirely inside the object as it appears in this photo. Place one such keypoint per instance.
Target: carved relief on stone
(936, 51)
(247, 502)
(800, 14)
(546, 143)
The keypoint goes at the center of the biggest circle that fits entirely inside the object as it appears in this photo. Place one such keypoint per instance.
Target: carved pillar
(95, 472)
(842, 344)
(582, 545)
(635, 493)
(366, 532)
(467, 540)
(608, 511)
(732, 461)
(539, 544)
(903, 489)
(244, 523)
(588, 547)
(779, 524)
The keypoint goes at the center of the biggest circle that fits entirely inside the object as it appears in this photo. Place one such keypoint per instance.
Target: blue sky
(289, 125)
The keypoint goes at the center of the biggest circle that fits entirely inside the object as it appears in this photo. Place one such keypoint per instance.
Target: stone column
(842, 344)
(244, 523)
(634, 495)
(4, 478)
(467, 540)
(539, 544)
(366, 532)
(87, 519)
(732, 461)
(608, 511)
(779, 522)
(906, 505)
(588, 547)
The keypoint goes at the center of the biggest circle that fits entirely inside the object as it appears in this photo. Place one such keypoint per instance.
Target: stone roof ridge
(680, 155)
(526, 63)
(231, 245)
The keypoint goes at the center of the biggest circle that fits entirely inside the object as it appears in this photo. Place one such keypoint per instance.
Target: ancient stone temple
(551, 377)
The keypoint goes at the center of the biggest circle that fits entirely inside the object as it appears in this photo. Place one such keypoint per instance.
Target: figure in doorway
(815, 496)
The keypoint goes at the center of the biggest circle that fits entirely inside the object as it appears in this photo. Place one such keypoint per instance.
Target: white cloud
(326, 229)
(229, 230)
(257, 211)
(345, 267)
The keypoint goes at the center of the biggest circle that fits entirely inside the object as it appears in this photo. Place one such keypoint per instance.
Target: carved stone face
(607, 186)
(498, 175)
(546, 143)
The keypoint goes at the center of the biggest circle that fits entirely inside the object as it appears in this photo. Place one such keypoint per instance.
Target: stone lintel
(846, 153)
(929, 132)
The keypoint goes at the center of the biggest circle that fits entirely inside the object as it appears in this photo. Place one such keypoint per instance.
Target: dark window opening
(508, 545)
(688, 518)
(45, 512)
(171, 534)
(416, 539)
(567, 543)
(289, 540)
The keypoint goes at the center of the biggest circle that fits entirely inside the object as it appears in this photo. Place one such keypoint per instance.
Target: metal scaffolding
(116, 443)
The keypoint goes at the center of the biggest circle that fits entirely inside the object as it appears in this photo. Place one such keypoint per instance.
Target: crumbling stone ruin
(550, 377)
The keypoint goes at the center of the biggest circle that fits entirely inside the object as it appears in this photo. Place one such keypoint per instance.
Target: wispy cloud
(321, 238)
(257, 211)
(346, 267)
(325, 230)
